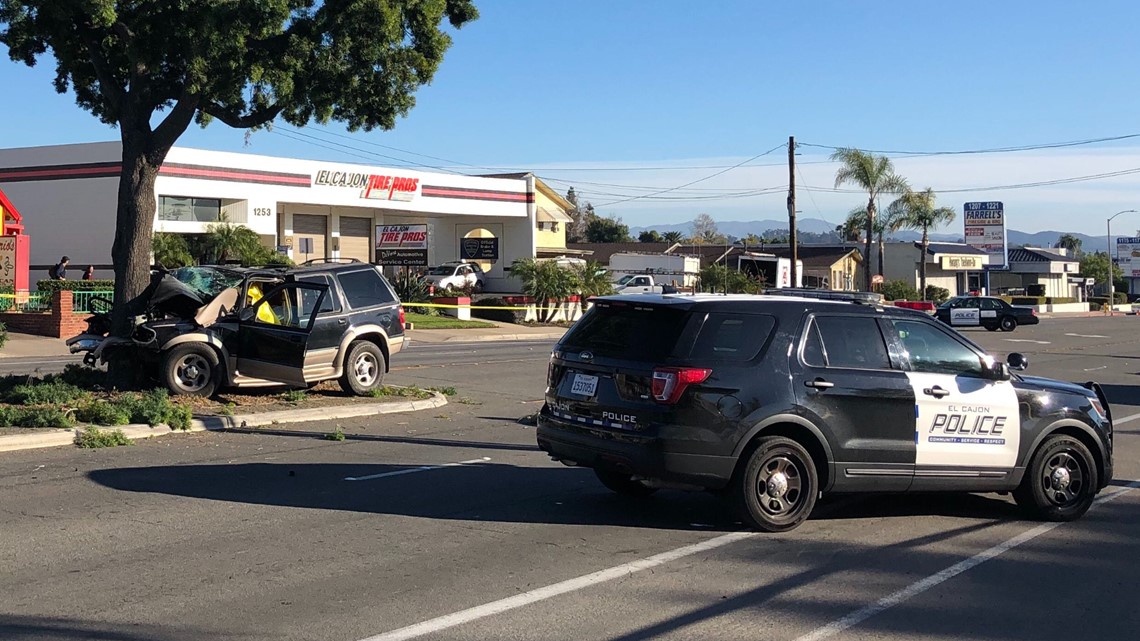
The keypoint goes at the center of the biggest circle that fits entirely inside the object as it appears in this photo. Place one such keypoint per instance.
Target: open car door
(273, 333)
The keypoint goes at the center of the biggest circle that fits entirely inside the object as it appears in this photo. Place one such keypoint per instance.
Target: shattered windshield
(207, 281)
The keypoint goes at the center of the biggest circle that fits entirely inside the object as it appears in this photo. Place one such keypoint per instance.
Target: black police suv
(984, 311)
(778, 399)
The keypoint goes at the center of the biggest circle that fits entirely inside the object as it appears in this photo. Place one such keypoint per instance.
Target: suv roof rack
(862, 298)
(321, 261)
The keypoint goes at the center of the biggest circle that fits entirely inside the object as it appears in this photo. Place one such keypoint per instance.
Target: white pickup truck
(642, 284)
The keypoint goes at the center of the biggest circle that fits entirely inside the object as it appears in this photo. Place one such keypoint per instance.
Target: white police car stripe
(566, 416)
(976, 425)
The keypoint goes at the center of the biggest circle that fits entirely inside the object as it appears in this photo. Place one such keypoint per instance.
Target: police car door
(966, 313)
(967, 425)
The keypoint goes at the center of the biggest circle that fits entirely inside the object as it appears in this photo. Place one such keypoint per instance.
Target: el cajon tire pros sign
(402, 245)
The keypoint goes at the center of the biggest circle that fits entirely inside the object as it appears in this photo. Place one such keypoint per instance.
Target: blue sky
(589, 92)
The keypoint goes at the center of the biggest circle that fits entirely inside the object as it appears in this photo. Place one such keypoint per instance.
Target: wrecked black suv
(778, 399)
(200, 328)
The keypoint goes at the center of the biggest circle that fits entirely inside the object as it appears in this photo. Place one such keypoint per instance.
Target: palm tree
(888, 223)
(917, 211)
(673, 237)
(875, 175)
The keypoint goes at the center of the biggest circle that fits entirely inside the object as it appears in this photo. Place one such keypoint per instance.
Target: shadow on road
(407, 440)
(29, 628)
(497, 492)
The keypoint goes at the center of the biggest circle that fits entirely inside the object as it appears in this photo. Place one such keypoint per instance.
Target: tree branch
(257, 117)
(107, 85)
(176, 122)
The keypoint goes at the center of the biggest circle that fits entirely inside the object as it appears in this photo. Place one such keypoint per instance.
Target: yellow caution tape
(473, 307)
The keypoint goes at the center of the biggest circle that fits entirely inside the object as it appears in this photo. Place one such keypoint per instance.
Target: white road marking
(413, 470)
(1025, 340)
(918, 587)
(1093, 369)
(1118, 421)
(1087, 335)
(571, 585)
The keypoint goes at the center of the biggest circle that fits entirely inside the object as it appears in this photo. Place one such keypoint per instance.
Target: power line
(992, 150)
(699, 180)
(1028, 185)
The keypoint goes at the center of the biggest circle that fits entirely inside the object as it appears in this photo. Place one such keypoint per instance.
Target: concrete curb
(135, 431)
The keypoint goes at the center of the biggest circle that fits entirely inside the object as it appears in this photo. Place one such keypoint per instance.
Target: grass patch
(387, 391)
(446, 391)
(294, 396)
(469, 401)
(93, 437)
(335, 435)
(423, 321)
(43, 417)
(103, 413)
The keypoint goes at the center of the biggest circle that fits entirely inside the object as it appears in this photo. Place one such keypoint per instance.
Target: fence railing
(30, 302)
(80, 301)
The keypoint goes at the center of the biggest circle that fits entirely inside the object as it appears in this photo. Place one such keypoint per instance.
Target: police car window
(931, 350)
(642, 334)
(853, 341)
(991, 304)
(813, 348)
(732, 337)
(365, 288)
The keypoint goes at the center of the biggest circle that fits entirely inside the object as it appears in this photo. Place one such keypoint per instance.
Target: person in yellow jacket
(264, 312)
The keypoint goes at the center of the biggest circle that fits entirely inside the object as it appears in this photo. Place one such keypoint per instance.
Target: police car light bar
(865, 298)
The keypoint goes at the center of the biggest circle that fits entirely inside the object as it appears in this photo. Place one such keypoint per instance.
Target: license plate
(584, 384)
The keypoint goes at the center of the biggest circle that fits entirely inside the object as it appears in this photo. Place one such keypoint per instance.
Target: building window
(181, 209)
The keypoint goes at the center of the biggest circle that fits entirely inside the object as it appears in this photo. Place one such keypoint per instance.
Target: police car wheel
(1008, 323)
(1061, 481)
(623, 484)
(778, 487)
(991, 328)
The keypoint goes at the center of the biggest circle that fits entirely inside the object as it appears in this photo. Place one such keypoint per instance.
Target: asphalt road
(455, 527)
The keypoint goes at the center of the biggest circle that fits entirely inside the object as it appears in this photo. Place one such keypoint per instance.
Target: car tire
(478, 287)
(191, 369)
(991, 328)
(623, 484)
(1061, 481)
(1008, 323)
(363, 368)
(778, 486)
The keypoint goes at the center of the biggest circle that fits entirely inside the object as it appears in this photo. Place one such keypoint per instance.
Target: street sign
(985, 230)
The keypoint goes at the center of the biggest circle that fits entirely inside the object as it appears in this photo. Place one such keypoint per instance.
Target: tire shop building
(304, 209)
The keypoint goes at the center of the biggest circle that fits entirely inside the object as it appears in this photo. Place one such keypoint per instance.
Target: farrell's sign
(371, 186)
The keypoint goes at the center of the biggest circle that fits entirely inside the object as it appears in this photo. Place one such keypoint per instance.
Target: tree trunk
(134, 225)
(870, 238)
(922, 265)
(882, 250)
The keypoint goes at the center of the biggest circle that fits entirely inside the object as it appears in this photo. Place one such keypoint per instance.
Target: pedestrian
(59, 270)
(90, 273)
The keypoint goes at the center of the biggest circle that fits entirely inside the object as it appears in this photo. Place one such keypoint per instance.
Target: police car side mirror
(1017, 362)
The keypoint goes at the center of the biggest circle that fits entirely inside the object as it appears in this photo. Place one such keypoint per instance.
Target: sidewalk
(501, 332)
(28, 345)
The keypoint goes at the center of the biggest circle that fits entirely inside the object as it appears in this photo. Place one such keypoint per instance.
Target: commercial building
(304, 209)
(956, 267)
(1054, 271)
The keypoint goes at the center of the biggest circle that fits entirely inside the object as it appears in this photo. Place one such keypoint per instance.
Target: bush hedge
(500, 315)
(75, 285)
(3, 335)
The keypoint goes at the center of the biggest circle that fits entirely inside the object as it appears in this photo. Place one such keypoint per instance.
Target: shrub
(937, 294)
(720, 279)
(294, 396)
(83, 376)
(410, 288)
(155, 408)
(899, 290)
(93, 437)
(75, 285)
(179, 417)
(103, 413)
(43, 417)
(8, 416)
(52, 392)
(171, 250)
(501, 315)
(594, 280)
(3, 335)
(546, 281)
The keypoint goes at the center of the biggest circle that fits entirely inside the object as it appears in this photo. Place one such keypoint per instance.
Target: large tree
(874, 175)
(153, 67)
(607, 230)
(917, 210)
(705, 231)
(1071, 243)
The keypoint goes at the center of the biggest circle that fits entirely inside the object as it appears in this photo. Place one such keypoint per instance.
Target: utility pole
(792, 208)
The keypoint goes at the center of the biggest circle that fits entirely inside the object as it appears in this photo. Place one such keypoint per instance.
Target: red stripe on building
(94, 170)
(236, 175)
(475, 194)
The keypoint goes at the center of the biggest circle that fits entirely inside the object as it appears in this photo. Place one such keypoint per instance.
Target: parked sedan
(985, 311)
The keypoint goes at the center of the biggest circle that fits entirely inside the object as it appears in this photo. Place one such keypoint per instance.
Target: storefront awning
(547, 215)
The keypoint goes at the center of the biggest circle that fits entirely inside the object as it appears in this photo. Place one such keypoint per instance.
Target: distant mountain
(741, 229)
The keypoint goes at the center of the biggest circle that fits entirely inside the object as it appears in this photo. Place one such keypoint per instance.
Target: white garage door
(309, 233)
(356, 238)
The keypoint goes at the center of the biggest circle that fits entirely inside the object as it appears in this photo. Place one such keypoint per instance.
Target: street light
(1109, 250)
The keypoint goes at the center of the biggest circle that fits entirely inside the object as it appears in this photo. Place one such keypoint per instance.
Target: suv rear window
(732, 337)
(365, 288)
(648, 333)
